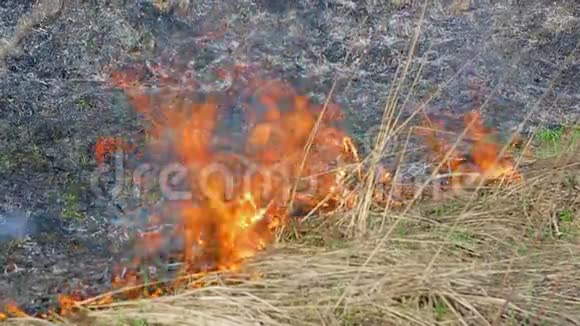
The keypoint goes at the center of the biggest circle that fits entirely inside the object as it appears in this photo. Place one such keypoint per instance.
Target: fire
(483, 164)
(238, 187)
(12, 310)
(228, 188)
(107, 145)
(67, 303)
(242, 187)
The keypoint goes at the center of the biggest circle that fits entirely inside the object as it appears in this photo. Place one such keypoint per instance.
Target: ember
(107, 145)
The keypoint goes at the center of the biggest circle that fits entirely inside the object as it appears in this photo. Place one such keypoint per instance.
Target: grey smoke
(13, 225)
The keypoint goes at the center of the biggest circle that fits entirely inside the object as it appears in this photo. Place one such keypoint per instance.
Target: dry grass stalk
(41, 11)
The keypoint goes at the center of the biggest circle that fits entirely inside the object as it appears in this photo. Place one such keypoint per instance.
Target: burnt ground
(53, 103)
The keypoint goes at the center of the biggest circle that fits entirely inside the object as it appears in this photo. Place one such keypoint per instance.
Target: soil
(56, 232)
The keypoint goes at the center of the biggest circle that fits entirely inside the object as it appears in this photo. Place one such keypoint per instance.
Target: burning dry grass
(506, 257)
(501, 257)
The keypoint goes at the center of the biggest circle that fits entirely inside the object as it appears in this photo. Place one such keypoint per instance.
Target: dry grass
(503, 257)
(506, 258)
(41, 11)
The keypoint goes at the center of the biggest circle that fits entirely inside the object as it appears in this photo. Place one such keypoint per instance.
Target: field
(442, 140)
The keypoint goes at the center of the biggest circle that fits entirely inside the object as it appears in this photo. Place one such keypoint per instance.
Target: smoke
(13, 225)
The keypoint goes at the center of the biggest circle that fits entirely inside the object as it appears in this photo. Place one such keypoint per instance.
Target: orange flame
(483, 164)
(11, 309)
(238, 188)
(107, 145)
(238, 196)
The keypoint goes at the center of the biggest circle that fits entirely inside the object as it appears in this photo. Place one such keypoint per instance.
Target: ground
(518, 59)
